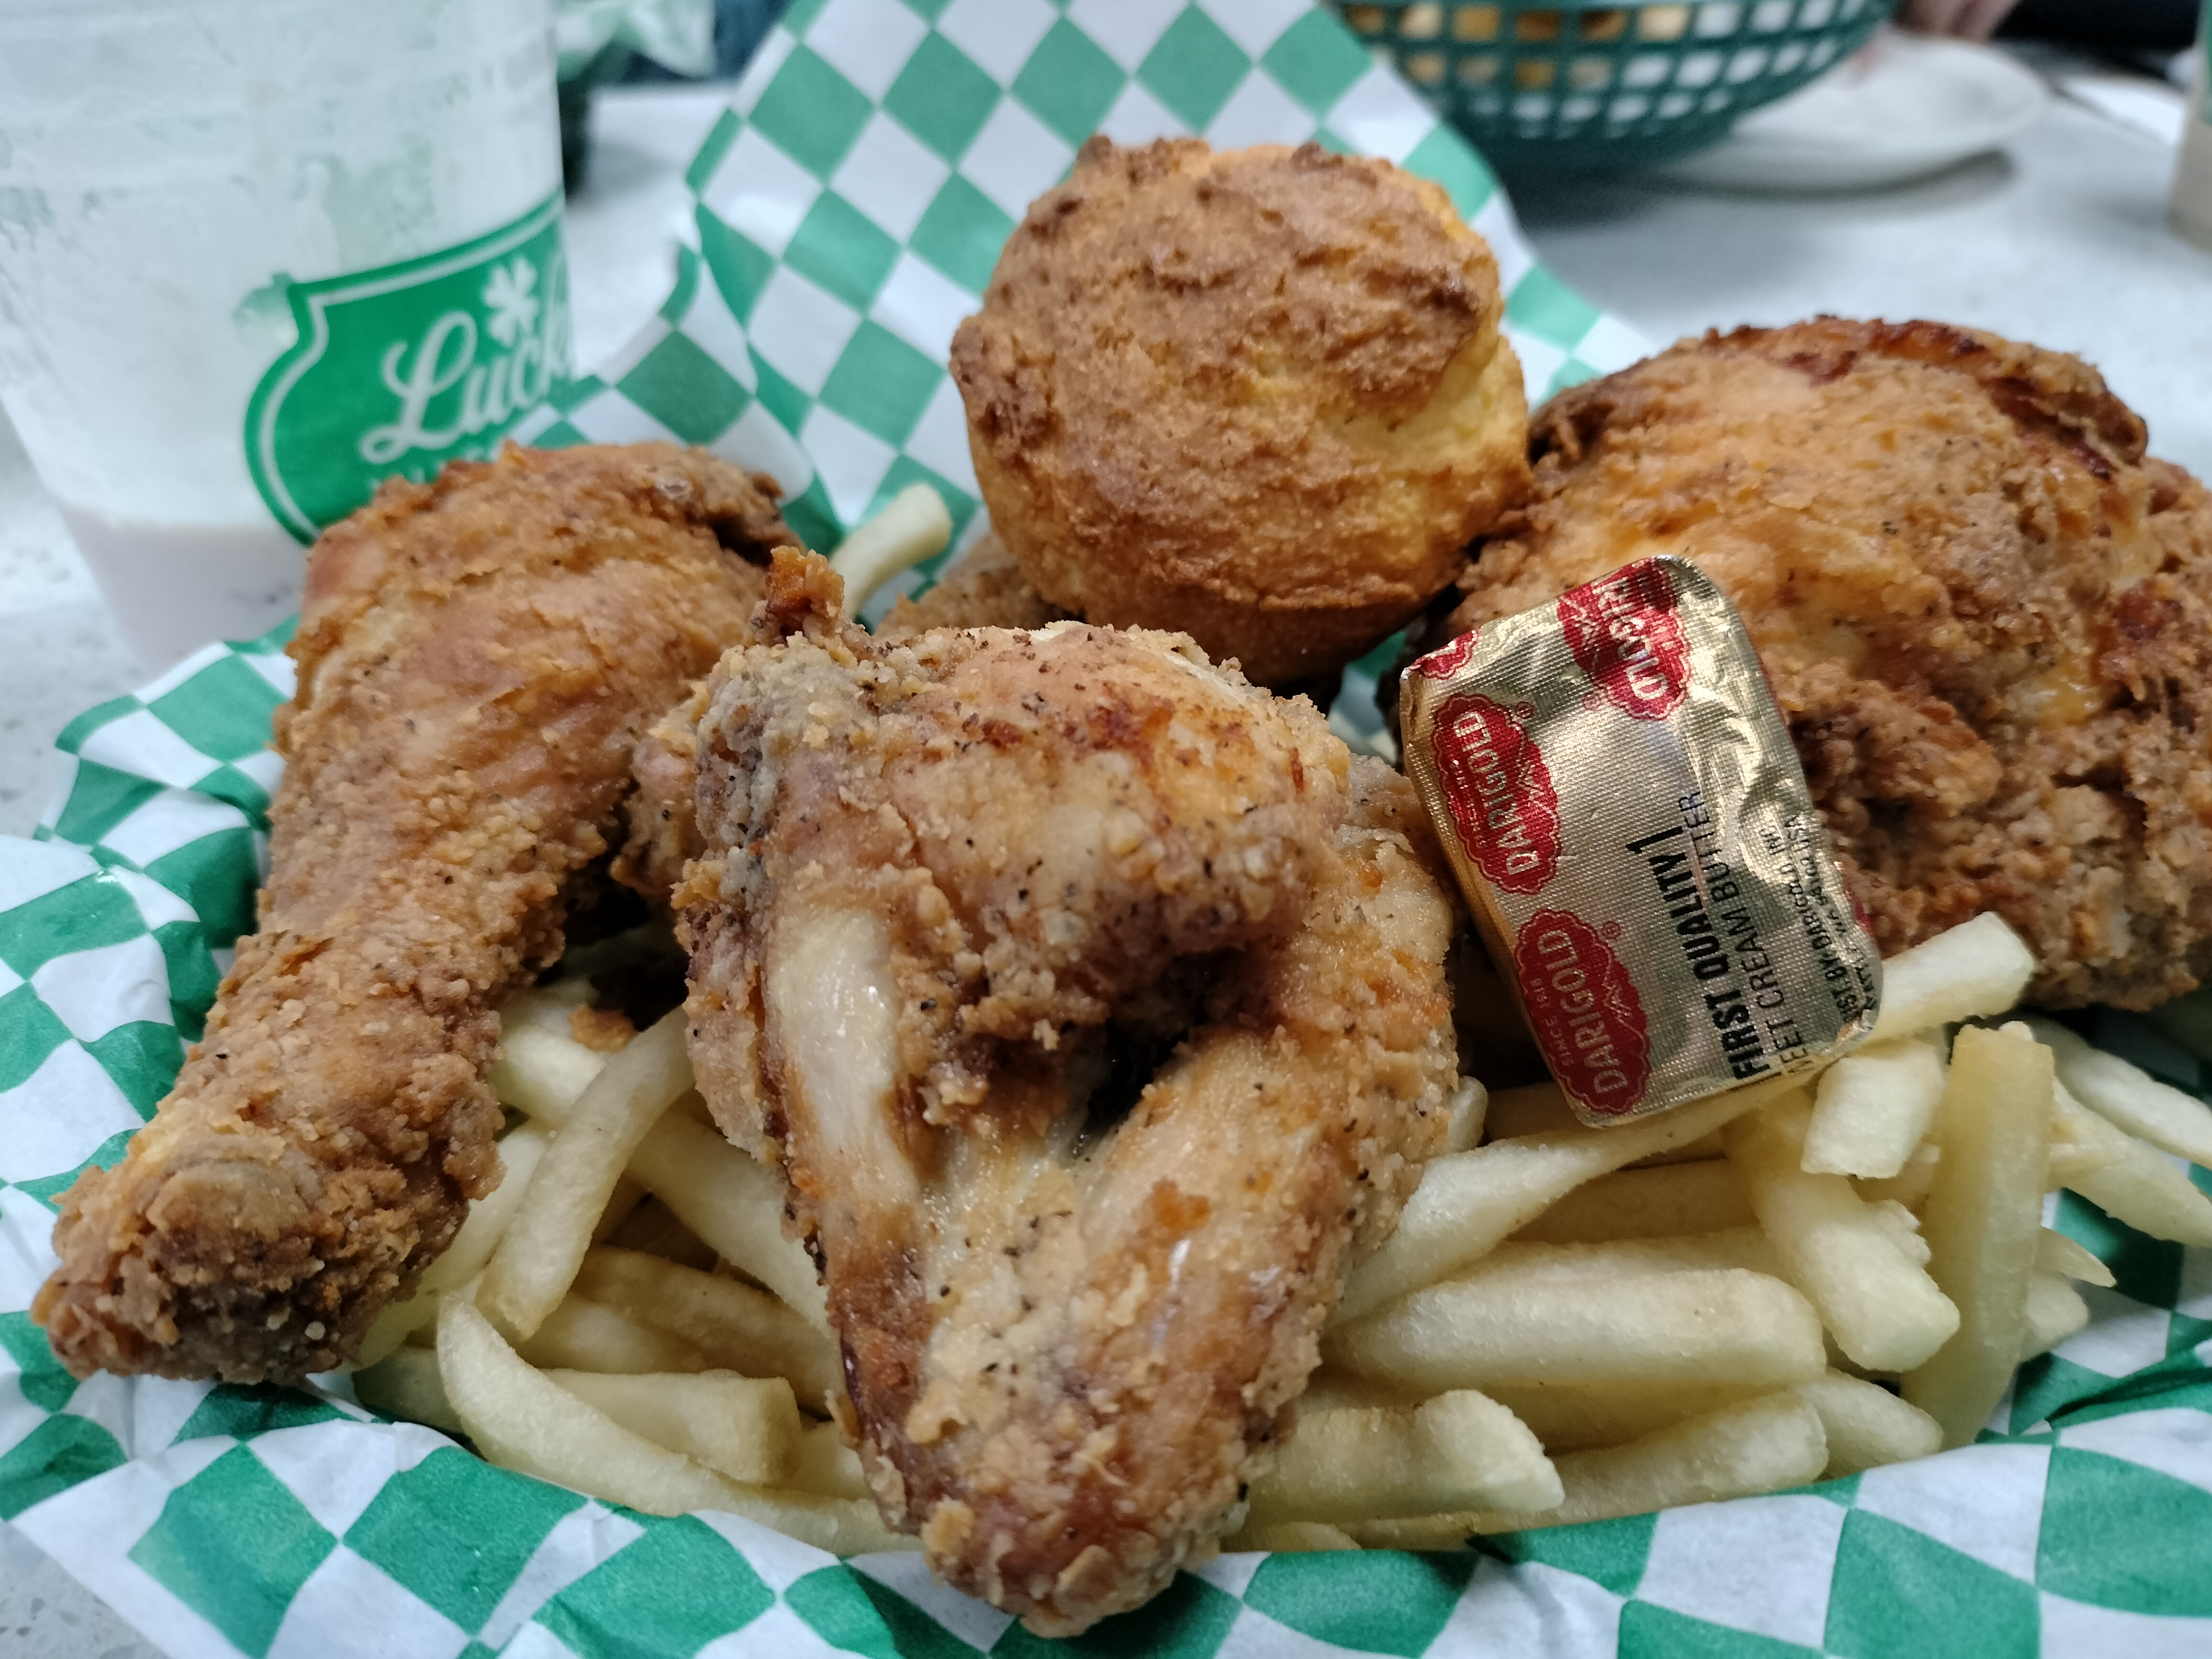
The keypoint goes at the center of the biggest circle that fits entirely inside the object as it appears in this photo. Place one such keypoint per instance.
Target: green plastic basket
(1584, 86)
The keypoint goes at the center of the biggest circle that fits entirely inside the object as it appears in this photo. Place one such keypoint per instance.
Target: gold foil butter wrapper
(1615, 787)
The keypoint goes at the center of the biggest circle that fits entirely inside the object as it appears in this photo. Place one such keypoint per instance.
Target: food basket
(1578, 86)
(850, 203)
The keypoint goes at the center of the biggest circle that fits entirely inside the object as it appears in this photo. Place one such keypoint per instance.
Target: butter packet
(1616, 790)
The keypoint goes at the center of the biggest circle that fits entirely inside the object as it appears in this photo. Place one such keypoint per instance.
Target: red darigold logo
(1624, 633)
(1447, 659)
(1499, 792)
(1587, 1017)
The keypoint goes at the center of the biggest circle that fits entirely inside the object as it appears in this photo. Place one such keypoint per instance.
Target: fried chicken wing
(960, 892)
(478, 658)
(1987, 615)
(984, 588)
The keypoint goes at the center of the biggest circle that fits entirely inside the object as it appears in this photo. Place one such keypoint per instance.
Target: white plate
(1905, 106)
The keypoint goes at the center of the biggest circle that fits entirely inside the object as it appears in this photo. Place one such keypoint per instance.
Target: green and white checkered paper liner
(850, 205)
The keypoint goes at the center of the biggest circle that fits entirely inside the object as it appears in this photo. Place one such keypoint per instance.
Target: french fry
(405, 1383)
(1456, 1451)
(2072, 1159)
(1537, 1109)
(521, 1420)
(2127, 1096)
(541, 1069)
(1517, 1262)
(2056, 1254)
(736, 1328)
(734, 1203)
(545, 1241)
(1470, 1111)
(2139, 1186)
(1576, 1418)
(1761, 1445)
(1883, 1307)
(1981, 1218)
(1670, 1201)
(1979, 967)
(520, 1151)
(1722, 1326)
(1867, 1425)
(1469, 1201)
(588, 1336)
(1903, 1228)
(1289, 1538)
(1909, 1186)
(914, 525)
(745, 1428)
(392, 1327)
(842, 1526)
(825, 1464)
(2054, 1311)
(1872, 1107)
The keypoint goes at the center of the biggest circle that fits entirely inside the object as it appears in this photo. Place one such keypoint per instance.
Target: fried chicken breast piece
(1986, 613)
(478, 658)
(1259, 396)
(951, 884)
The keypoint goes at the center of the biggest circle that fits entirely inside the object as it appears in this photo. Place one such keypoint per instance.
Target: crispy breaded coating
(984, 588)
(662, 811)
(951, 884)
(1986, 613)
(1258, 396)
(478, 658)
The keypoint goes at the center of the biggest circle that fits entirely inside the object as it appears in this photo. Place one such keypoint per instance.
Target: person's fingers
(1931, 16)
(1968, 20)
(1978, 19)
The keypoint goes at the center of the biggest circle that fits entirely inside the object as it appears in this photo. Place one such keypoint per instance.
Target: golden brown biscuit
(1987, 616)
(1259, 396)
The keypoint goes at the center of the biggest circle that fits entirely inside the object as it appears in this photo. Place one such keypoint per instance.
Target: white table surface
(2061, 241)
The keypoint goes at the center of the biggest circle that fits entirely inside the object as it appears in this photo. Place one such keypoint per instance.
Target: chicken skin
(1093, 1003)
(985, 588)
(478, 658)
(1986, 613)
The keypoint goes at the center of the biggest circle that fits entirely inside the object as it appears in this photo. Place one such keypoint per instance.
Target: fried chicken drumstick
(961, 892)
(478, 658)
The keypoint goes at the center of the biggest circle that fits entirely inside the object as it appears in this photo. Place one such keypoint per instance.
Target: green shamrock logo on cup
(506, 295)
(403, 368)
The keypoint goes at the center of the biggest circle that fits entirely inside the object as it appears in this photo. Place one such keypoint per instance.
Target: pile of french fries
(623, 1314)
(1795, 1281)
